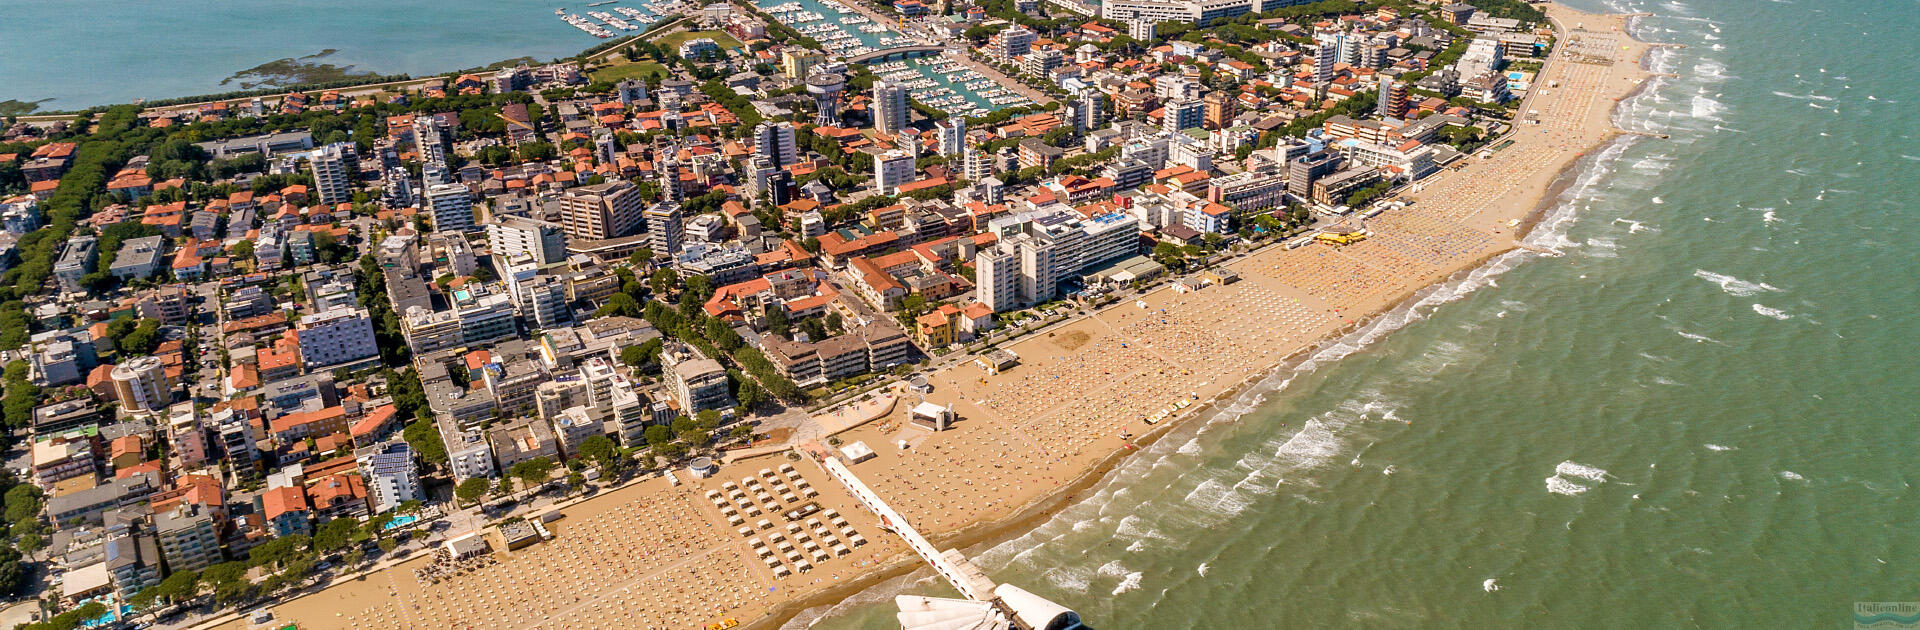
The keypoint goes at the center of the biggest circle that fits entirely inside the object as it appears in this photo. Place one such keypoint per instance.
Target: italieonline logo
(1886, 615)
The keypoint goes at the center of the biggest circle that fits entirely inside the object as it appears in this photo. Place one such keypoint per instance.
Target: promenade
(661, 555)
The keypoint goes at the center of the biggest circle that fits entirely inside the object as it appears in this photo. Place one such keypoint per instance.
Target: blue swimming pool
(400, 521)
(115, 612)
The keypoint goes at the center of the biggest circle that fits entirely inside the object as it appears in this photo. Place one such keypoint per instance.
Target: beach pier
(1001, 607)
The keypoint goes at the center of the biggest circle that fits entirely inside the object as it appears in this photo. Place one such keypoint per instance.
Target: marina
(944, 83)
(629, 19)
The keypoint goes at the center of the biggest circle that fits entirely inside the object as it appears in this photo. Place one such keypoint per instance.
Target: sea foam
(1735, 286)
(1771, 312)
(1583, 471)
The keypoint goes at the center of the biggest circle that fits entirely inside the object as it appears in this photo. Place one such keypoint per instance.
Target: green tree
(335, 535)
(228, 581)
(598, 449)
(621, 305)
(425, 440)
(663, 281)
(749, 394)
(533, 472)
(700, 286)
(633, 356)
(13, 573)
(279, 551)
(658, 436)
(144, 339)
(671, 450)
(537, 151)
(22, 503)
(777, 321)
(471, 491)
(179, 587)
(723, 335)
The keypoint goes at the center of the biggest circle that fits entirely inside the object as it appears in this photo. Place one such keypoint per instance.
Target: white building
(996, 272)
(1185, 114)
(601, 211)
(664, 231)
(469, 454)
(952, 135)
(1483, 55)
(976, 164)
(1410, 159)
(890, 110)
(813, 224)
(141, 384)
(520, 237)
(891, 170)
(1250, 190)
(1142, 29)
(542, 301)
(775, 142)
(1036, 250)
(187, 436)
(390, 474)
(339, 335)
(1326, 53)
(332, 173)
(451, 206)
(434, 140)
(1197, 11)
(1013, 43)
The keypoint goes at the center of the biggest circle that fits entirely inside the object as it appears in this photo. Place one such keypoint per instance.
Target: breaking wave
(1735, 286)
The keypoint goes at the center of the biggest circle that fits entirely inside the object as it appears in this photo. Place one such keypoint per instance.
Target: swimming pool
(399, 521)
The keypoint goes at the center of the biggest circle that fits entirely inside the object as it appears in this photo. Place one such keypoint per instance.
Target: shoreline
(980, 536)
(351, 82)
(1500, 220)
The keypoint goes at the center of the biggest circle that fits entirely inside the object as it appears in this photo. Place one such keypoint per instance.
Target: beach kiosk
(997, 360)
(518, 534)
(467, 545)
(857, 452)
(702, 467)
(931, 416)
(1220, 276)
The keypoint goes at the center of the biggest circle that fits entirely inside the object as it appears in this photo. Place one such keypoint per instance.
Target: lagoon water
(82, 53)
(1700, 416)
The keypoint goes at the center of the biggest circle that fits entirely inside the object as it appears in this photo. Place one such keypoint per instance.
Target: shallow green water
(1702, 415)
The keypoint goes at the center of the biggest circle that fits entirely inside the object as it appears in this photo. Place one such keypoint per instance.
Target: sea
(1700, 415)
(82, 53)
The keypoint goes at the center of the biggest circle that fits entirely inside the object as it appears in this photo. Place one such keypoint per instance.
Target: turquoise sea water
(1701, 416)
(92, 52)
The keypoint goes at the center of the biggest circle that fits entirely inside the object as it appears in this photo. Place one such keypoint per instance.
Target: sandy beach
(653, 555)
